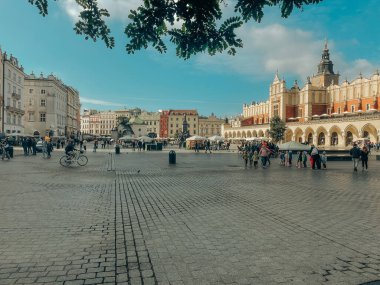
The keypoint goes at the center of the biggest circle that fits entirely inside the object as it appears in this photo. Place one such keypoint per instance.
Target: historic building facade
(171, 122)
(210, 126)
(323, 112)
(12, 93)
(51, 107)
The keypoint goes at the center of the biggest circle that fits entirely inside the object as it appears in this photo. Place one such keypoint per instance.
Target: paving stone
(206, 220)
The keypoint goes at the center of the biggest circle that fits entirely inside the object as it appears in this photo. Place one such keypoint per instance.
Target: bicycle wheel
(82, 160)
(64, 161)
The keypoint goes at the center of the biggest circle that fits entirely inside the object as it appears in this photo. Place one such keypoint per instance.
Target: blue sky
(112, 79)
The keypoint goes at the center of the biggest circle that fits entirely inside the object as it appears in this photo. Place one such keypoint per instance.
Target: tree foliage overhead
(193, 26)
(277, 129)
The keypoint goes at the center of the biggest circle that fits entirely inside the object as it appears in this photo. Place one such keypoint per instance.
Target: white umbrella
(196, 138)
(145, 139)
(216, 138)
(127, 138)
(293, 146)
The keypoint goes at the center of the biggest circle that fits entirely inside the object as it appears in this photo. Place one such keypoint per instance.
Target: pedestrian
(364, 157)
(324, 159)
(304, 158)
(314, 153)
(44, 148)
(245, 158)
(207, 146)
(34, 144)
(85, 145)
(286, 159)
(282, 158)
(255, 159)
(196, 148)
(95, 145)
(250, 157)
(264, 152)
(299, 159)
(355, 153)
(25, 146)
(290, 157)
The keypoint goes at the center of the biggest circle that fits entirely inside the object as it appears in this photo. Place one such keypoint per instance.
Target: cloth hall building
(323, 112)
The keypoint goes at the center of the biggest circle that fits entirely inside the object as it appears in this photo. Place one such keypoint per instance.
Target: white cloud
(351, 71)
(118, 9)
(100, 102)
(294, 52)
(267, 49)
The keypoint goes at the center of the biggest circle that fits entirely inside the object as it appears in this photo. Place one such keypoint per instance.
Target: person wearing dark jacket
(364, 157)
(355, 153)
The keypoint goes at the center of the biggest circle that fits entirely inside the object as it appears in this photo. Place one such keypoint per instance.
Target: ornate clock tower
(325, 75)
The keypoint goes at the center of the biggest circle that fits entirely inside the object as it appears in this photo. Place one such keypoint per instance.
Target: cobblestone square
(135, 219)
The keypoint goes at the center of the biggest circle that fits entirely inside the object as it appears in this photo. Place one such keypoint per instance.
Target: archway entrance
(334, 139)
(321, 139)
(349, 138)
(310, 138)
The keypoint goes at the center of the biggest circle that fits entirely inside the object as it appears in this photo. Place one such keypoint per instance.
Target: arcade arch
(298, 133)
(369, 131)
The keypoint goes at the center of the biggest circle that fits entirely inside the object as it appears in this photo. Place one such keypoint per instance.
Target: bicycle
(73, 157)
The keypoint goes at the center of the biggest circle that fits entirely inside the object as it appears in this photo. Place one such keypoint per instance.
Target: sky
(111, 79)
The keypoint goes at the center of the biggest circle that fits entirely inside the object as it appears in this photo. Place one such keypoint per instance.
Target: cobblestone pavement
(135, 219)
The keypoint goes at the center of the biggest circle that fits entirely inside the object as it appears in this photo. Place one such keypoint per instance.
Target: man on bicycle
(69, 149)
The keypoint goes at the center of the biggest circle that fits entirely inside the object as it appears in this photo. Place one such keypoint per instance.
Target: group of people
(316, 159)
(357, 154)
(252, 152)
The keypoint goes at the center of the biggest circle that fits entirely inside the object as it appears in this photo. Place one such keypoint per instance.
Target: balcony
(16, 96)
(14, 110)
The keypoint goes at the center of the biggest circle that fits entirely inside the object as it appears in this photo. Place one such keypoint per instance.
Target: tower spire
(326, 42)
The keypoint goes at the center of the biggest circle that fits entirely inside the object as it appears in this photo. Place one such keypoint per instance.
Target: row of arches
(333, 136)
(246, 134)
(323, 135)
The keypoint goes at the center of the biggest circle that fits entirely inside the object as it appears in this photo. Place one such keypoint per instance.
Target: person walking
(255, 159)
(314, 153)
(95, 145)
(25, 146)
(304, 158)
(264, 152)
(355, 153)
(364, 157)
(245, 158)
(324, 159)
(250, 157)
(207, 148)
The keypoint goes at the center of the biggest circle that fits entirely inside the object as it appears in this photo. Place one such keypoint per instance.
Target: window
(43, 102)
(176, 119)
(43, 91)
(19, 120)
(176, 125)
(171, 125)
(19, 79)
(195, 125)
(352, 108)
(14, 119)
(14, 103)
(30, 91)
(19, 105)
(42, 117)
(8, 101)
(30, 101)
(194, 132)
